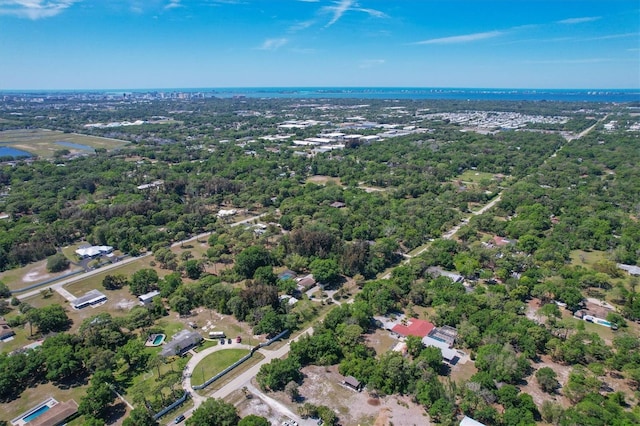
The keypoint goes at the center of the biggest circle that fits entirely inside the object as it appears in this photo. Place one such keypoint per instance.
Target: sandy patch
(126, 304)
(37, 274)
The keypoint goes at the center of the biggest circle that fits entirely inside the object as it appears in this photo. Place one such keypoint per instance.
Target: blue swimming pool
(36, 413)
(158, 339)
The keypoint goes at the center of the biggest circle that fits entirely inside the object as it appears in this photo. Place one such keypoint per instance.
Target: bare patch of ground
(323, 386)
(323, 180)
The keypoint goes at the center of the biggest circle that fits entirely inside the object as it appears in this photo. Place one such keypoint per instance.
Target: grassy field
(255, 359)
(44, 143)
(30, 274)
(215, 363)
(587, 258)
(323, 180)
(474, 177)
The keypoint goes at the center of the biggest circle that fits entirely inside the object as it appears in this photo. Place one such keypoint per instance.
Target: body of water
(6, 151)
(435, 93)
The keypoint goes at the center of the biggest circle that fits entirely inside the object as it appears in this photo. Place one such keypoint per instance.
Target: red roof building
(414, 327)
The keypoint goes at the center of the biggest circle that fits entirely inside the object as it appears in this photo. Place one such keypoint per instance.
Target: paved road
(240, 381)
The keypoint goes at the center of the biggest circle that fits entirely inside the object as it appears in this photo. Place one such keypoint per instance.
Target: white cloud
(273, 43)
(343, 6)
(299, 26)
(34, 9)
(369, 63)
(173, 4)
(582, 20)
(466, 38)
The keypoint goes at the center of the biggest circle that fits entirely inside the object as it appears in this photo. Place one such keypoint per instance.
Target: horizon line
(119, 89)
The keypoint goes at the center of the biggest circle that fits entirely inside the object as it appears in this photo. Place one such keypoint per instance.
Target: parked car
(222, 341)
(238, 339)
(229, 341)
(179, 419)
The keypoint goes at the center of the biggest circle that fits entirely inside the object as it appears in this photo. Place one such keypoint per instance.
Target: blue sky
(125, 44)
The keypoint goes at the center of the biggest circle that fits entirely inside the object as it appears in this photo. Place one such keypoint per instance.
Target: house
(5, 330)
(338, 204)
(181, 343)
(468, 421)
(90, 252)
(146, 299)
(306, 282)
(56, 415)
(353, 383)
(631, 269)
(414, 327)
(91, 298)
(436, 272)
(501, 241)
(445, 334)
(449, 355)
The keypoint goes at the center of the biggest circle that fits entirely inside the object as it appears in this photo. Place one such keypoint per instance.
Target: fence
(240, 361)
(165, 410)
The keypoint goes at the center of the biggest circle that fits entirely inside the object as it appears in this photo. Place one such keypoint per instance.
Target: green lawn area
(255, 359)
(215, 363)
(474, 176)
(587, 258)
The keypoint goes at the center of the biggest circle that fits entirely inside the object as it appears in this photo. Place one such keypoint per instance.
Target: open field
(30, 274)
(215, 363)
(323, 180)
(587, 258)
(323, 386)
(44, 143)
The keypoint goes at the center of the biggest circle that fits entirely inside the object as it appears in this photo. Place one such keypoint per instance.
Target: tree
(140, 416)
(98, 397)
(251, 259)
(114, 282)
(4, 291)
(193, 268)
(291, 389)
(143, 281)
(253, 420)
(547, 380)
(57, 263)
(50, 318)
(325, 271)
(276, 374)
(214, 412)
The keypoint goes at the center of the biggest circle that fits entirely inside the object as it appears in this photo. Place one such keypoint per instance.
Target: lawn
(30, 274)
(255, 359)
(587, 258)
(214, 363)
(474, 177)
(44, 143)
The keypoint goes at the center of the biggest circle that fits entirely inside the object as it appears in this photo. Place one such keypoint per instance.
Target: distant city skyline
(137, 44)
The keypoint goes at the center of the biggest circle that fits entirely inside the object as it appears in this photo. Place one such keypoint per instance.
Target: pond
(75, 145)
(6, 151)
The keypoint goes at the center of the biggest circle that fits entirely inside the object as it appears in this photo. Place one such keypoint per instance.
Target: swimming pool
(37, 413)
(158, 339)
(603, 322)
